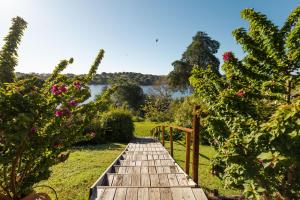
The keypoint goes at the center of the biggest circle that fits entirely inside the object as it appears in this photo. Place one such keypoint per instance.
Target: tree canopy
(200, 53)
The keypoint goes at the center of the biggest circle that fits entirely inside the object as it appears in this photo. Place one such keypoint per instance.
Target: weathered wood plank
(145, 180)
(154, 180)
(135, 180)
(199, 194)
(165, 194)
(173, 180)
(132, 194)
(120, 194)
(117, 180)
(163, 180)
(108, 194)
(154, 193)
(143, 194)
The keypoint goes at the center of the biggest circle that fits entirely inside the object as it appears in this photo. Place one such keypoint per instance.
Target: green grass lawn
(206, 179)
(73, 178)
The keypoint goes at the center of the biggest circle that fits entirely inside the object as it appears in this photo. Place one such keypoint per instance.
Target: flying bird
(156, 40)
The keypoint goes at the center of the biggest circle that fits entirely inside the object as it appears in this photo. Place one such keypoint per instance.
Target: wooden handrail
(188, 131)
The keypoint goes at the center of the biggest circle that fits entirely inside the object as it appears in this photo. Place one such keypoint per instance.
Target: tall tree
(200, 53)
(8, 53)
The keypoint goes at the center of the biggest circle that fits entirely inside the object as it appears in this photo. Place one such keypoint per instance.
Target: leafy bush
(39, 122)
(252, 115)
(117, 126)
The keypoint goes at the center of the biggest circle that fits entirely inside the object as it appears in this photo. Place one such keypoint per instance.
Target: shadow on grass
(200, 154)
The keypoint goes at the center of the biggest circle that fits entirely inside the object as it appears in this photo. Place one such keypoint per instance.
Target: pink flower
(227, 56)
(58, 113)
(240, 93)
(55, 89)
(33, 130)
(77, 85)
(72, 103)
(260, 162)
(63, 89)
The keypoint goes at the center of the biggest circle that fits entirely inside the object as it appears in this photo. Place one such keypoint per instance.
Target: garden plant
(252, 114)
(39, 122)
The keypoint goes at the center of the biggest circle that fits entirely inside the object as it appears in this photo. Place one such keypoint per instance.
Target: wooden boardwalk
(145, 170)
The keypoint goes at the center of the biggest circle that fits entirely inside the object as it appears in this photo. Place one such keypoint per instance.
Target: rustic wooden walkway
(145, 170)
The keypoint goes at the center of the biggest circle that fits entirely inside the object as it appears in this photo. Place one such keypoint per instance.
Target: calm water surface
(97, 89)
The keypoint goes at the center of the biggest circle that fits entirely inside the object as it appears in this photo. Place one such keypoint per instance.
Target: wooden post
(187, 152)
(196, 128)
(171, 140)
(163, 135)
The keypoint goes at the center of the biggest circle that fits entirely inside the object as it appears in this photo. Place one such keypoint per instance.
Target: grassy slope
(73, 178)
(206, 179)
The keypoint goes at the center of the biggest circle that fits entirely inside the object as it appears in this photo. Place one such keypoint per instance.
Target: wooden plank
(199, 194)
(173, 180)
(152, 170)
(165, 194)
(135, 180)
(144, 170)
(108, 194)
(160, 170)
(110, 178)
(145, 180)
(143, 194)
(176, 193)
(188, 193)
(122, 170)
(154, 180)
(99, 193)
(117, 180)
(167, 170)
(129, 170)
(163, 180)
(120, 194)
(131, 194)
(126, 180)
(154, 193)
(182, 179)
(173, 169)
(136, 170)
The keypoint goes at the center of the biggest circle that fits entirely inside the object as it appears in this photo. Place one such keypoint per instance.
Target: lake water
(97, 89)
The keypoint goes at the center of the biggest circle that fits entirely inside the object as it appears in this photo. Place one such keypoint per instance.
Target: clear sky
(126, 30)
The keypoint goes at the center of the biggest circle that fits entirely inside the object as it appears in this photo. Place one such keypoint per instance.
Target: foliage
(117, 125)
(39, 123)
(252, 115)
(158, 103)
(106, 78)
(200, 53)
(128, 94)
(8, 53)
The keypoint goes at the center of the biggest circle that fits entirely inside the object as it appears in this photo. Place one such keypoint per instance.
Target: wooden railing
(188, 131)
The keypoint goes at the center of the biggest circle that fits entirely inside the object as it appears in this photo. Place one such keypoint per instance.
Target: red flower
(58, 113)
(77, 85)
(240, 93)
(63, 89)
(55, 89)
(227, 56)
(72, 103)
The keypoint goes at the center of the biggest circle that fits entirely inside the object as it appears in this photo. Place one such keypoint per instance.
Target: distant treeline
(107, 78)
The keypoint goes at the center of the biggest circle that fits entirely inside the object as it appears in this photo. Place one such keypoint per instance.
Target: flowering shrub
(253, 116)
(39, 123)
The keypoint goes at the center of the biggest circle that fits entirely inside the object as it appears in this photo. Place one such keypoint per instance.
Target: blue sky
(126, 30)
